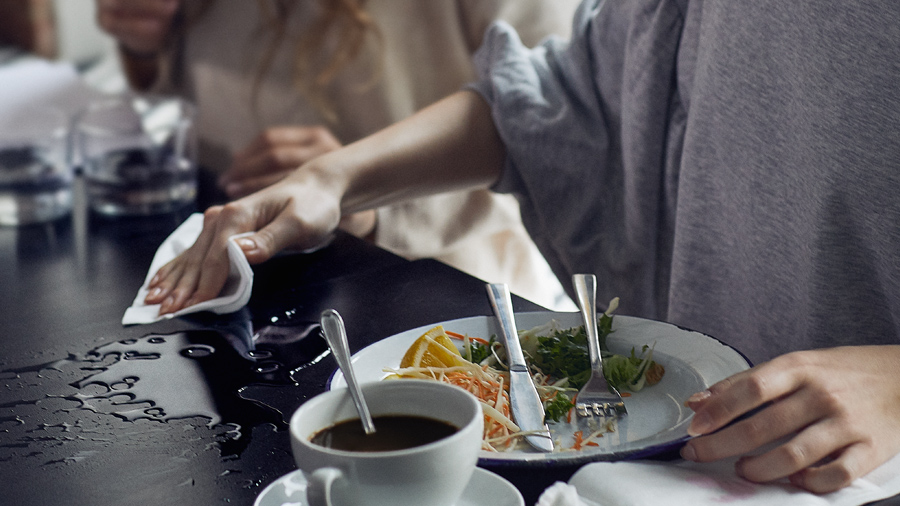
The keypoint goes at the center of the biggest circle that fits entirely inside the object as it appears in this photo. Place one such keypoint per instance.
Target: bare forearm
(450, 145)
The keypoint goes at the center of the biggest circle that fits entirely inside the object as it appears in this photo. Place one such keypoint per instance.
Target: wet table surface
(184, 411)
(180, 411)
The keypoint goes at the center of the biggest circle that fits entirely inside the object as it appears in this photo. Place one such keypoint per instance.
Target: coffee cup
(343, 467)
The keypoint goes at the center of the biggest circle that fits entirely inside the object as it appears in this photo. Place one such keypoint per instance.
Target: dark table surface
(182, 411)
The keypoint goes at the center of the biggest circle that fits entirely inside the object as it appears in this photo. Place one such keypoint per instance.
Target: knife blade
(527, 409)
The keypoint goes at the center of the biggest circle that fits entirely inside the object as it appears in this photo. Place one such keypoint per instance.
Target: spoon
(336, 335)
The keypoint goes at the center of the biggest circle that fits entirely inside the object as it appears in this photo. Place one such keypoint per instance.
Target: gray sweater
(730, 166)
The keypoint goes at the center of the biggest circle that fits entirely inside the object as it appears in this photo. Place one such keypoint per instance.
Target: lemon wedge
(432, 349)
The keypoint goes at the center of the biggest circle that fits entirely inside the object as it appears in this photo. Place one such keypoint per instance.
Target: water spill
(160, 378)
(78, 457)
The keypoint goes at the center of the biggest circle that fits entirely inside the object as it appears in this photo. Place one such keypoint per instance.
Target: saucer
(484, 489)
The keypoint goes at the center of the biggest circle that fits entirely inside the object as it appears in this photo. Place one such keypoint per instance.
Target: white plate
(484, 489)
(657, 419)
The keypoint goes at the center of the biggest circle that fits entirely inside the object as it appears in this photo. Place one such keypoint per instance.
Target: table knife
(527, 409)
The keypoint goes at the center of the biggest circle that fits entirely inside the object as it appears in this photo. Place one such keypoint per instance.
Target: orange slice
(433, 349)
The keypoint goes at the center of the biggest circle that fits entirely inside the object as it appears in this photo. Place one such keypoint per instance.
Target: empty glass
(35, 170)
(138, 154)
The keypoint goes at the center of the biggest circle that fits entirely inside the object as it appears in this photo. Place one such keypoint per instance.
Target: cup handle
(319, 489)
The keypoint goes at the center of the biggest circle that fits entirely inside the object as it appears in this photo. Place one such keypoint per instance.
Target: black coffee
(392, 432)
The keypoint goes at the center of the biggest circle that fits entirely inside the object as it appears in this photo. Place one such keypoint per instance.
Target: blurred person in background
(278, 83)
(28, 26)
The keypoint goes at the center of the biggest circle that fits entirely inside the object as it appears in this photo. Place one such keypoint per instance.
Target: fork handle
(586, 291)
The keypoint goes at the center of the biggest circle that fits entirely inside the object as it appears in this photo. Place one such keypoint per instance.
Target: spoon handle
(336, 335)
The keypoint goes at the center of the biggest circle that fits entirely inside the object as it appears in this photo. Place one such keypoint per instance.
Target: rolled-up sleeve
(586, 124)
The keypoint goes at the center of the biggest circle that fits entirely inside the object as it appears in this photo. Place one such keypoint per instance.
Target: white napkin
(691, 484)
(234, 294)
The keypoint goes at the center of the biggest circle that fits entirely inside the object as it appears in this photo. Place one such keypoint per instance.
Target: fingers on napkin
(821, 456)
(200, 272)
(278, 221)
(827, 417)
(853, 462)
(163, 282)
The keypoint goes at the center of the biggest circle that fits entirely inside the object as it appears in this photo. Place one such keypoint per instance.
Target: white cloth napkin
(691, 484)
(233, 296)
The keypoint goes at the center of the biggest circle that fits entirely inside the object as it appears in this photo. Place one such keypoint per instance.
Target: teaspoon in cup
(336, 335)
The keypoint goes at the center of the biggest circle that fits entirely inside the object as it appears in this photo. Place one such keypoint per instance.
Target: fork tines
(600, 409)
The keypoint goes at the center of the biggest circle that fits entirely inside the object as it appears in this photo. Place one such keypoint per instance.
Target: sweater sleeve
(587, 125)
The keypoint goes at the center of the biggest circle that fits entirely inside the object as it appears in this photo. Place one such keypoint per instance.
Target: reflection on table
(190, 410)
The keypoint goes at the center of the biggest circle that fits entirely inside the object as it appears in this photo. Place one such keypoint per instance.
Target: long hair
(315, 64)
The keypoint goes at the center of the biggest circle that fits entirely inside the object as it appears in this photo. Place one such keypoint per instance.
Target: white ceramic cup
(434, 474)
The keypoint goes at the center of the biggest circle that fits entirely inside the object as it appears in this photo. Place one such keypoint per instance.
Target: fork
(596, 397)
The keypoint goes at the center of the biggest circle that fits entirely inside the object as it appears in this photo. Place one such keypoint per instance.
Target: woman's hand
(450, 145)
(299, 212)
(839, 410)
(140, 26)
(273, 155)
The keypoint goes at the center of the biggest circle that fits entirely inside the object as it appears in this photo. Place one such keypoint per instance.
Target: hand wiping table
(234, 295)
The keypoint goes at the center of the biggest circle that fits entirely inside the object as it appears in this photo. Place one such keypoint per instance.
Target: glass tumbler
(138, 155)
(35, 170)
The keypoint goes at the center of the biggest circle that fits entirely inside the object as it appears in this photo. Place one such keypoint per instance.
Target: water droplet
(121, 385)
(259, 354)
(133, 379)
(93, 388)
(198, 351)
(288, 317)
(136, 355)
(155, 412)
(268, 367)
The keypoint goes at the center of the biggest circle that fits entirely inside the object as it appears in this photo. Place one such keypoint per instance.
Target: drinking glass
(138, 154)
(35, 170)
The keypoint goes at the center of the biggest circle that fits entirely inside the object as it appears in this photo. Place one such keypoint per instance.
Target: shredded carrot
(578, 440)
(460, 336)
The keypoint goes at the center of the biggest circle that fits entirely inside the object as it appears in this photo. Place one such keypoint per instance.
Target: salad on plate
(559, 364)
